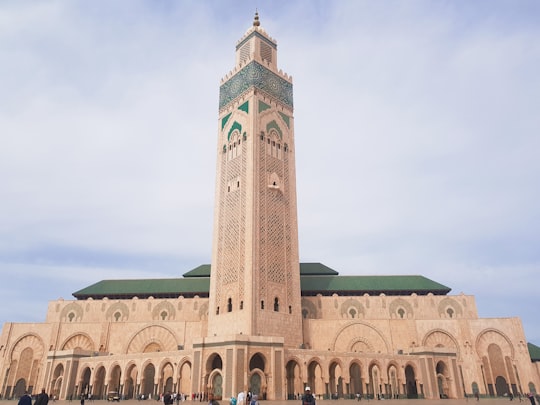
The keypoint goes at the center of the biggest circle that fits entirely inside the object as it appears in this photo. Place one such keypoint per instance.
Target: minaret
(255, 276)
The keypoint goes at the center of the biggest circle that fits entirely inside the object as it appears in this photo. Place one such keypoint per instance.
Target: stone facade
(256, 331)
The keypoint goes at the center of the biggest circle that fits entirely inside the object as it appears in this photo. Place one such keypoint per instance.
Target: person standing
(168, 398)
(26, 399)
(531, 398)
(308, 398)
(241, 399)
(42, 398)
(211, 400)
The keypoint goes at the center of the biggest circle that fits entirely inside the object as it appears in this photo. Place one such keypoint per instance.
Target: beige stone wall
(80, 336)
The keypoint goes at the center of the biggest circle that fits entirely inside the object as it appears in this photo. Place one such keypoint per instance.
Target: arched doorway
(214, 379)
(166, 378)
(374, 381)
(56, 383)
(20, 388)
(356, 379)
(84, 386)
(294, 380)
(393, 387)
(442, 380)
(410, 382)
(114, 380)
(130, 381)
(184, 384)
(147, 381)
(314, 379)
(257, 379)
(336, 380)
(98, 388)
(216, 384)
(255, 384)
(501, 386)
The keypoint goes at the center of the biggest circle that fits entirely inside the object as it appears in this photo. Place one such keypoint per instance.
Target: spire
(256, 21)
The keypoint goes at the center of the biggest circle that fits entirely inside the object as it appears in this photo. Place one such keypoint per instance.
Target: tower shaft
(255, 276)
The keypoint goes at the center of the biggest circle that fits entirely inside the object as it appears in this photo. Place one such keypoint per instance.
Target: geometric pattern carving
(350, 336)
(153, 338)
(437, 339)
(79, 341)
(164, 311)
(401, 309)
(117, 312)
(28, 341)
(493, 336)
(360, 345)
(351, 308)
(258, 76)
(232, 221)
(72, 312)
(450, 308)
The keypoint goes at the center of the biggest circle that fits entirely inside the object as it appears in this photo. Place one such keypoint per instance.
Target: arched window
(229, 305)
(276, 304)
(262, 304)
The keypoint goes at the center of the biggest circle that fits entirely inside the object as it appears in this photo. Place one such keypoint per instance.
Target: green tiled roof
(306, 269)
(534, 352)
(359, 285)
(316, 269)
(315, 278)
(202, 271)
(158, 288)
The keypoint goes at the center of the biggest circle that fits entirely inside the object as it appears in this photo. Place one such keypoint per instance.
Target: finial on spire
(256, 21)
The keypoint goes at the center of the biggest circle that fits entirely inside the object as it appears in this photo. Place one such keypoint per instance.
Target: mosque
(255, 318)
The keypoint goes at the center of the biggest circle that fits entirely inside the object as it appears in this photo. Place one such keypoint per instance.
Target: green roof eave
(315, 278)
(306, 269)
(201, 271)
(534, 352)
(144, 288)
(359, 285)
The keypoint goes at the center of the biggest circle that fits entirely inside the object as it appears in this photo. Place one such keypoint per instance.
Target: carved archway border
(351, 324)
(485, 332)
(447, 334)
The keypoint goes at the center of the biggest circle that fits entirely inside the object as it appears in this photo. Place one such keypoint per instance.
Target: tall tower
(255, 276)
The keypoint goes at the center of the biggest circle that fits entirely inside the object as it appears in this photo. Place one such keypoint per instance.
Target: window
(229, 305)
(276, 304)
(262, 304)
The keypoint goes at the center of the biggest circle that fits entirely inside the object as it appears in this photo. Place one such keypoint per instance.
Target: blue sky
(417, 141)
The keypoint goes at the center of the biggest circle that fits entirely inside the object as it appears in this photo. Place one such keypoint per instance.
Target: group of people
(244, 398)
(42, 398)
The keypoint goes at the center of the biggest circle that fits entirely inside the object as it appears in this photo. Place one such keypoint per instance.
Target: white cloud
(416, 138)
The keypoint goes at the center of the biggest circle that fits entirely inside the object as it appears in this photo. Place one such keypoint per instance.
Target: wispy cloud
(416, 141)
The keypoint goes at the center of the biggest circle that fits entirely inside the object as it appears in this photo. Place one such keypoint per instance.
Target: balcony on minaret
(275, 182)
